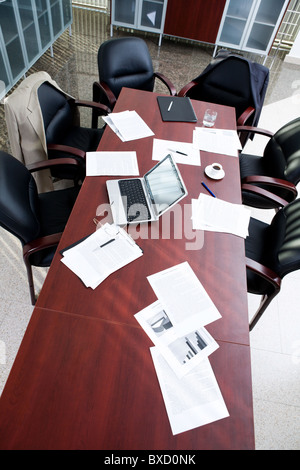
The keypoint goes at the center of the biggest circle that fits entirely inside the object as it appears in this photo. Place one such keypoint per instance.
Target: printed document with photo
(182, 351)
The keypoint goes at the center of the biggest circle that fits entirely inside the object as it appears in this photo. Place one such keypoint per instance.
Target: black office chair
(272, 252)
(64, 135)
(125, 62)
(234, 81)
(37, 220)
(275, 174)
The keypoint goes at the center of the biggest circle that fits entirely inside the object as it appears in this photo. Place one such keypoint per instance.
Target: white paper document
(102, 253)
(182, 152)
(111, 163)
(183, 352)
(128, 125)
(222, 141)
(183, 297)
(193, 400)
(213, 214)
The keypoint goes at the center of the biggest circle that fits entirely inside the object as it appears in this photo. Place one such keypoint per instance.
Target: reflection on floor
(275, 341)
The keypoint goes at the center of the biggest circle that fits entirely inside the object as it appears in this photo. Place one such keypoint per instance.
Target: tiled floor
(275, 341)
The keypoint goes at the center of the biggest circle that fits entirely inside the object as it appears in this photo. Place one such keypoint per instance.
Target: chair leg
(30, 282)
(265, 302)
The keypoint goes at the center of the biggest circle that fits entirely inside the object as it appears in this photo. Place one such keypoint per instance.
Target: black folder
(176, 108)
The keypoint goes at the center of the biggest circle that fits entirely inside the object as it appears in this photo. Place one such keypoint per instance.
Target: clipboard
(176, 109)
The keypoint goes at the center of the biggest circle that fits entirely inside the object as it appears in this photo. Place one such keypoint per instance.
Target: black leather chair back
(228, 83)
(57, 112)
(125, 62)
(282, 153)
(18, 199)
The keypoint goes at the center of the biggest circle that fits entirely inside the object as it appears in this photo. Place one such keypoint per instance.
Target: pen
(170, 105)
(203, 184)
(106, 243)
(177, 151)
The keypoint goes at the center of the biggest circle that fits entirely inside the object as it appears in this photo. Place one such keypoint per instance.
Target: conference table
(83, 377)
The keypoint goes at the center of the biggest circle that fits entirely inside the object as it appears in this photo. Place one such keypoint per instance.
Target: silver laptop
(136, 200)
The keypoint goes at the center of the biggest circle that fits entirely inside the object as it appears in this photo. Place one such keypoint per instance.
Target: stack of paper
(128, 125)
(209, 213)
(222, 141)
(175, 324)
(111, 163)
(99, 255)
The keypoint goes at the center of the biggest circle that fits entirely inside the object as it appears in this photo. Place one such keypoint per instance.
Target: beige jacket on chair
(26, 128)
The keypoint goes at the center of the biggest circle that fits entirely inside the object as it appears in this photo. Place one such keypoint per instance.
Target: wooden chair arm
(280, 183)
(100, 89)
(264, 272)
(42, 165)
(245, 116)
(167, 82)
(187, 88)
(264, 193)
(101, 109)
(255, 130)
(40, 244)
(66, 149)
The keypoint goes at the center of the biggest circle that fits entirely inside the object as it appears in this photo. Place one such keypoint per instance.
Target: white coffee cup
(215, 170)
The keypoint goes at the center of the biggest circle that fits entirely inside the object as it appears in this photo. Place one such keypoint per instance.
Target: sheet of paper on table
(182, 152)
(213, 214)
(192, 400)
(111, 164)
(128, 125)
(183, 297)
(221, 141)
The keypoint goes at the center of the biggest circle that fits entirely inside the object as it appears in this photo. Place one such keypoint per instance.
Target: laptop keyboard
(133, 190)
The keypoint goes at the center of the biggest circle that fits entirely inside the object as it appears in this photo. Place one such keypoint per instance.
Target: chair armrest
(100, 108)
(264, 272)
(254, 130)
(187, 88)
(167, 82)
(66, 149)
(245, 116)
(40, 244)
(42, 165)
(280, 183)
(264, 193)
(102, 92)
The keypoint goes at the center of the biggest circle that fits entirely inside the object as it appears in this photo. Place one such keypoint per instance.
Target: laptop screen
(164, 184)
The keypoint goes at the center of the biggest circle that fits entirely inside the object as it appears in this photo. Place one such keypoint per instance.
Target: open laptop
(136, 200)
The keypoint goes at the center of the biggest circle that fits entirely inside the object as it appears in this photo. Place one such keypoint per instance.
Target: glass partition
(29, 28)
(11, 38)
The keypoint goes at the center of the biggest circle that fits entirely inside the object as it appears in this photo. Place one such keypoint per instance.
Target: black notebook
(176, 108)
